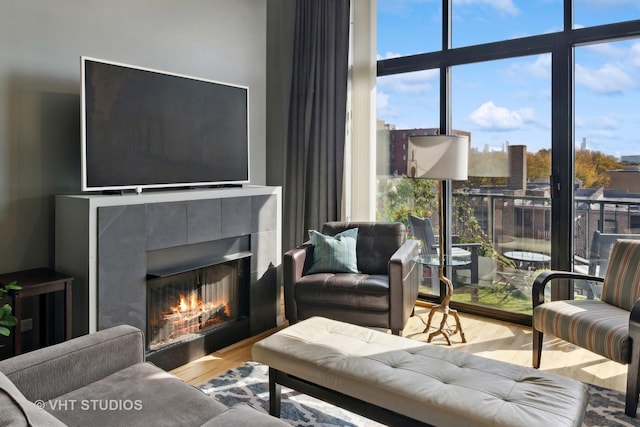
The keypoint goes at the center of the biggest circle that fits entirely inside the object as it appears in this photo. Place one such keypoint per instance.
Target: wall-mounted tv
(144, 128)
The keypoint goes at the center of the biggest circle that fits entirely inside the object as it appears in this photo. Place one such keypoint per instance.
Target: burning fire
(193, 310)
(194, 303)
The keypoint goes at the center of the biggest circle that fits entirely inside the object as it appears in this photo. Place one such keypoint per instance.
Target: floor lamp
(440, 157)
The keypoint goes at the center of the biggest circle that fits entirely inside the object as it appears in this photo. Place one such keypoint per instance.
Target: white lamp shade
(438, 157)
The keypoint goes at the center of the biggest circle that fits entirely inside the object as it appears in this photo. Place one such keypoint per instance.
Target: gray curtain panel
(317, 110)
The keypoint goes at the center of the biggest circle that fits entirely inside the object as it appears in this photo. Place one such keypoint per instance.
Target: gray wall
(41, 42)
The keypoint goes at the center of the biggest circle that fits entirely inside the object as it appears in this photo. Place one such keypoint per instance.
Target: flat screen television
(144, 128)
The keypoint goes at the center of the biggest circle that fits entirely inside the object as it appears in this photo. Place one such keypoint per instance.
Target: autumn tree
(539, 164)
(590, 166)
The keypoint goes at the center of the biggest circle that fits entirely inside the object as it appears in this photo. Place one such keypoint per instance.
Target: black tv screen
(144, 128)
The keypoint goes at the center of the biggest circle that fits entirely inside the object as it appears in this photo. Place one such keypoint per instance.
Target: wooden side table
(38, 282)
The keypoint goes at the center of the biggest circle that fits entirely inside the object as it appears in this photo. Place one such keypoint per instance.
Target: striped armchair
(609, 327)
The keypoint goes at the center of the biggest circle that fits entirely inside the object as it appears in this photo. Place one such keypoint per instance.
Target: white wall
(41, 42)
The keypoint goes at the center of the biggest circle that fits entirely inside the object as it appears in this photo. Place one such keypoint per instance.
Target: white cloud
(608, 122)
(494, 118)
(607, 79)
(388, 55)
(608, 50)
(605, 126)
(539, 68)
(503, 6)
(414, 83)
(384, 107)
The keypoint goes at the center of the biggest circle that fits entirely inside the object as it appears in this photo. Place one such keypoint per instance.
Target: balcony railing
(519, 227)
(524, 222)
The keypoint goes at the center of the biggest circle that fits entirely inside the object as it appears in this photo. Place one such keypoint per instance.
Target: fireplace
(114, 245)
(194, 310)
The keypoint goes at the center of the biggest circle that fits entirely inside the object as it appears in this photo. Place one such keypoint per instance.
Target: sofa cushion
(54, 370)
(352, 291)
(133, 396)
(243, 415)
(16, 410)
(334, 254)
(592, 324)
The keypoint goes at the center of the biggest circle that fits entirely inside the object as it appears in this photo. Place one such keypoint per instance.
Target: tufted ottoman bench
(400, 381)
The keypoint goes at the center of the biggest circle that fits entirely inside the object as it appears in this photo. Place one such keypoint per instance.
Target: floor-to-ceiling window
(607, 152)
(547, 168)
(505, 107)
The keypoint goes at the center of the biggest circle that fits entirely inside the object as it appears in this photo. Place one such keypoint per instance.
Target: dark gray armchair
(382, 295)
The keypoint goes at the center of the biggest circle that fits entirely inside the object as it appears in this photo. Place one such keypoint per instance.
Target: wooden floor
(485, 337)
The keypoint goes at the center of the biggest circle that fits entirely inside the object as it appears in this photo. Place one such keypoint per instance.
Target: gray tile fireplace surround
(110, 242)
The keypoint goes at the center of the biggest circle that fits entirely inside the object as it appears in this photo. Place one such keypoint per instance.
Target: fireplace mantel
(110, 242)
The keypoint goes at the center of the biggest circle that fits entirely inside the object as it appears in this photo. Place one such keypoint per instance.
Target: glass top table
(531, 258)
(449, 260)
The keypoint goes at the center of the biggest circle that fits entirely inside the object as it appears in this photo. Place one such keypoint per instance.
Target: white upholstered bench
(400, 381)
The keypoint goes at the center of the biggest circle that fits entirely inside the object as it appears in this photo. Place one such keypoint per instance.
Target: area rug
(248, 383)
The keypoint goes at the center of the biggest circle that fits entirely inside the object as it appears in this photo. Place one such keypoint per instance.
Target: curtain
(316, 126)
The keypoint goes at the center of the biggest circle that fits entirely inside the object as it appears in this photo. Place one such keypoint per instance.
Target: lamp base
(443, 307)
(446, 311)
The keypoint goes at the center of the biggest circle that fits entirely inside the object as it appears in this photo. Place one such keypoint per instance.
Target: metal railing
(524, 222)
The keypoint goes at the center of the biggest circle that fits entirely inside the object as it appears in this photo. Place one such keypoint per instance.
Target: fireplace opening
(184, 306)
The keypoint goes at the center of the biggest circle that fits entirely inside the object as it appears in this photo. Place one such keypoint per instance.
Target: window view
(597, 12)
(397, 38)
(500, 218)
(501, 215)
(607, 156)
(476, 22)
(407, 105)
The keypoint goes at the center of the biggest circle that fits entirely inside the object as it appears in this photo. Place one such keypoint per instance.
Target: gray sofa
(102, 379)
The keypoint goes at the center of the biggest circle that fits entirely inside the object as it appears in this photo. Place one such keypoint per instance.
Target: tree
(539, 164)
(420, 197)
(400, 196)
(591, 167)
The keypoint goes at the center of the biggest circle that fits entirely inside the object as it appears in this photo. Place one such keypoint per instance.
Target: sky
(510, 100)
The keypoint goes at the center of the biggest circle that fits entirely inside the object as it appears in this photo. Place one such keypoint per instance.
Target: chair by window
(609, 327)
(596, 264)
(422, 229)
(384, 292)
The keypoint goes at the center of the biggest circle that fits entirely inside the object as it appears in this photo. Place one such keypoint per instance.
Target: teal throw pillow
(334, 254)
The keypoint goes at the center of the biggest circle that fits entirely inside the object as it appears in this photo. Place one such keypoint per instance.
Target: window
(597, 12)
(410, 27)
(476, 22)
(509, 86)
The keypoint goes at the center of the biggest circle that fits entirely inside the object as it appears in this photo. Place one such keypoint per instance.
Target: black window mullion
(562, 163)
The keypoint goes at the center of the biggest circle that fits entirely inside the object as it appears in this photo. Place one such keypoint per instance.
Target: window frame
(561, 47)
